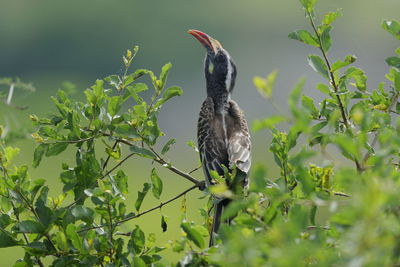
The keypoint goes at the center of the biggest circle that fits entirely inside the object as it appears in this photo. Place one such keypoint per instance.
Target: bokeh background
(48, 42)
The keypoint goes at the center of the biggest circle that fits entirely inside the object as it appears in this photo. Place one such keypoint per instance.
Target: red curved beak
(209, 43)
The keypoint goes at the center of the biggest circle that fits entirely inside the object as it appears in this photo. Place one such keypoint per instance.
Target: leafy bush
(335, 201)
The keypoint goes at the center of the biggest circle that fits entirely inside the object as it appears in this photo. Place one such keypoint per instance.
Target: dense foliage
(335, 200)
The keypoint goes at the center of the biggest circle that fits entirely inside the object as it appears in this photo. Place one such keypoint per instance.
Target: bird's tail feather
(218, 210)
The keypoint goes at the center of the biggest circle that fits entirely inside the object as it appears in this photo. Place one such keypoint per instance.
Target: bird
(222, 133)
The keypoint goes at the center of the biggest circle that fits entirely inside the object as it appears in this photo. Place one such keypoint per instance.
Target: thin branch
(161, 161)
(195, 169)
(144, 212)
(71, 141)
(340, 194)
(333, 83)
(108, 158)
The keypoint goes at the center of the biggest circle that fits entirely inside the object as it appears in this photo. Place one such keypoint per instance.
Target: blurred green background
(48, 42)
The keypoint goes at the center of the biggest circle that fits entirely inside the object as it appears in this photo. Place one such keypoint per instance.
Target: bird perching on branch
(222, 132)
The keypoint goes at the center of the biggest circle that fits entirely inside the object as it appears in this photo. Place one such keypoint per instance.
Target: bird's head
(219, 68)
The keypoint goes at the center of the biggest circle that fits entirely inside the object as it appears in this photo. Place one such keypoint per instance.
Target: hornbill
(222, 133)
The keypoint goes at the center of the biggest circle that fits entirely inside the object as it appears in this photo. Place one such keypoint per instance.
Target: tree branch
(144, 212)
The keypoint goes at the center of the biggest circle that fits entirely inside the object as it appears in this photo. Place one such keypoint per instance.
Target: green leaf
(323, 88)
(142, 151)
(29, 226)
(393, 61)
(331, 17)
(138, 240)
(359, 77)
(193, 234)
(7, 240)
(304, 37)
(157, 184)
(308, 103)
(56, 148)
(164, 224)
(141, 195)
(135, 89)
(265, 86)
(61, 241)
(270, 122)
(318, 65)
(73, 236)
(313, 212)
(163, 75)
(308, 4)
(393, 27)
(340, 64)
(326, 38)
(167, 146)
(168, 94)
(396, 81)
(114, 104)
(139, 262)
(83, 213)
(347, 144)
(11, 152)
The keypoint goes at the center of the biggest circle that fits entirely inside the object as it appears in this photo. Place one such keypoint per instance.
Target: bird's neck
(220, 98)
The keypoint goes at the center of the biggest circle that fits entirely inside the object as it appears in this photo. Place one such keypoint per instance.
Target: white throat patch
(228, 79)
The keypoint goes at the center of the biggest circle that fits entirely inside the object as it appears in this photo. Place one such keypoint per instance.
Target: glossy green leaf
(7, 240)
(29, 226)
(141, 195)
(340, 64)
(167, 146)
(393, 27)
(164, 225)
(304, 37)
(157, 184)
(326, 38)
(193, 234)
(308, 103)
(40, 150)
(318, 65)
(83, 213)
(308, 4)
(331, 17)
(114, 104)
(73, 236)
(138, 240)
(163, 75)
(56, 148)
(168, 94)
(142, 151)
(393, 61)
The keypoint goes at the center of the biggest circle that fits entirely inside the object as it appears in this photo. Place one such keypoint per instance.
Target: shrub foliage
(334, 201)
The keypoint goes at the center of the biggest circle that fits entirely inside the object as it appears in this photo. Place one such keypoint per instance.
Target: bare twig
(144, 212)
(195, 169)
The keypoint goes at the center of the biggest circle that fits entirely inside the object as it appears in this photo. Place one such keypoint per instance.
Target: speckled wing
(212, 148)
(239, 144)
